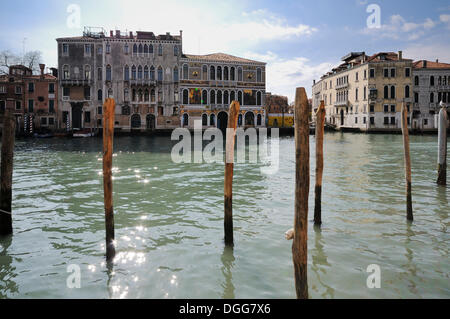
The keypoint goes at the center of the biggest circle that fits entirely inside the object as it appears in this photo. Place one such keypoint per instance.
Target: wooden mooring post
(108, 134)
(409, 210)
(442, 146)
(300, 240)
(7, 152)
(229, 165)
(320, 128)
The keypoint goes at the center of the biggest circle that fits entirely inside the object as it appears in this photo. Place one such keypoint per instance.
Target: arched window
(140, 48)
(204, 97)
(108, 73)
(212, 120)
(416, 97)
(258, 75)
(135, 50)
(160, 50)
(219, 97)
(258, 98)
(175, 50)
(431, 97)
(160, 74)
(185, 119)
(100, 95)
(152, 73)
(140, 96)
(176, 77)
(126, 73)
(392, 92)
(240, 120)
(205, 72)
(66, 72)
(239, 74)
(133, 95)
(259, 120)
(133, 72)
(150, 48)
(225, 73)
(225, 97)
(108, 48)
(386, 92)
(407, 91)
(432, 81)
(126, 49)
(146, 72)
(212, 97)
(232, 96)
(146, 49)
(204, 119)
(125, 94)
(146, 95)
(140, 72)
(87, 72)
(212, 73)
(219, 73)
(240, 97)
(152, 96)
(185, 96)
(185, 72)
(416, 80)
(232, 75)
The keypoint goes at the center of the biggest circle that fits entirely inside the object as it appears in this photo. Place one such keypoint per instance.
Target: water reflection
(8, 286)
(228, 259)
(320, 262)
(410, 266)
(110, 274)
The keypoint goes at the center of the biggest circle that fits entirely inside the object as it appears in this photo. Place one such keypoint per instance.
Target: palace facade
(155, 85)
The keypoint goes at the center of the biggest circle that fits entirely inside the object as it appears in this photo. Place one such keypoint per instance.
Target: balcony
(441, 87)
(341, 103)
(342, 86)
(142, 82)
(75, 82)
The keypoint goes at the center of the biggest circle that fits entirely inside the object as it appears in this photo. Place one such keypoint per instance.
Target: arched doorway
(342, 117)
(150, 119)
(222, 121)
(249, 119)
(185, 119)
(136, 121)
(77, 112)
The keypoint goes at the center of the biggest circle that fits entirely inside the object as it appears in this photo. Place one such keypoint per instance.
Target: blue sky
(299, 40)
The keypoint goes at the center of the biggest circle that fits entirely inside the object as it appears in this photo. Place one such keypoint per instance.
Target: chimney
(117, 33)
(131, 34)
(314, 82)
(400, 55)
(437, 60)
(424, 64)
(42, 67)
(111, 33)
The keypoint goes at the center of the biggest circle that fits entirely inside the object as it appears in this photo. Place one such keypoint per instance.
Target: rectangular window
(2, 89)
(2, 106)
(65, 49)
(51, 121)
(18, 105)
(87, 117)
(372, 120)
(425, 121)
(372, 108)
(407, 72)
(18, 90)
(393, 108)
(365, 74)
(66, 91)
(386, 108)
(393, 120)
(356, 120)
(372, 73)
(386, 73)
(43, 121)
(51, 106)
(364, 120)
(30, 106)
(31, 87)
(99, 110)
(99, 74)
(87, 92)
(65, 117)
(392, 73)
(51, 88)
(356, 76)
(100, 50)
(87, 49)
(386, 120)
(407, 121)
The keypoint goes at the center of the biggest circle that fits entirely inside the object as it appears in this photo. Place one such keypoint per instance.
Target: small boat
(83, 133)
(43, 133)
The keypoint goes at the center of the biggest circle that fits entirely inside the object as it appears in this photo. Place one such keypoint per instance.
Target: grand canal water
(169, 223)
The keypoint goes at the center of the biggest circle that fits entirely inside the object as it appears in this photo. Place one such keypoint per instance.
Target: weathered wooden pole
(300, 243)
(229, 164)
(108, 134)
(320, 128)
(409, 210)
(8, 131)
(442, 146)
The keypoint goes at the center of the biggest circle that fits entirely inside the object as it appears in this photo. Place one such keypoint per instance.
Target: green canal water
(169, 223)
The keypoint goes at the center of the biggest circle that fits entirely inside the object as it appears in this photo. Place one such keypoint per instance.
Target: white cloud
(445, 18)
(398, 28)
(285, 75)
(428, 52)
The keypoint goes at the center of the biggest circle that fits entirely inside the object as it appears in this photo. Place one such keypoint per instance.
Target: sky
(299, 40)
